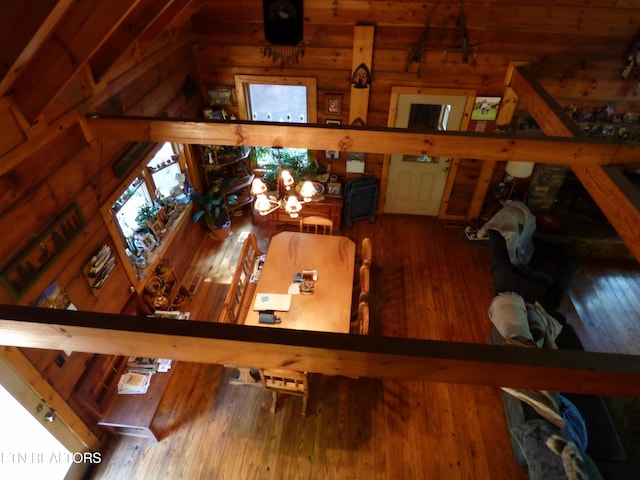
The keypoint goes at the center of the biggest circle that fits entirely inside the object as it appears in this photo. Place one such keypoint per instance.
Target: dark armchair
(544, 279)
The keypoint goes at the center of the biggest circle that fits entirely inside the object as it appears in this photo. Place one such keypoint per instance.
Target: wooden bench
(237, 302)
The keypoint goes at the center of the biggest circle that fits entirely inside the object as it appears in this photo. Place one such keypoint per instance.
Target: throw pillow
(508, 314)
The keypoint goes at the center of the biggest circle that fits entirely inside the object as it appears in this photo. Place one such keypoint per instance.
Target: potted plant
(146, 213)
(213, 212)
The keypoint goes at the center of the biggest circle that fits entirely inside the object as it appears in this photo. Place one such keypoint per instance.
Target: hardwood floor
(426, 283)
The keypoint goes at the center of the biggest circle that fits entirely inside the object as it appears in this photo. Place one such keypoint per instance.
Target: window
(129, 204)
(150, 189)
(277, 103)
(277, 99)
(163, 181)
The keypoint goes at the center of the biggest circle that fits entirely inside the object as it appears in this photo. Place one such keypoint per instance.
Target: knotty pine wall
(576, 51)
(69, 167)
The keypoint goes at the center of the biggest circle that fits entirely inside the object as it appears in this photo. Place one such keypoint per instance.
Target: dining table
(328, 307)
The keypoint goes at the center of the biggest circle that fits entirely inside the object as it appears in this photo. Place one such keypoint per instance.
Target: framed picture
(220, 96)
(334, 189)
(149, 242)
(485, 108)
(334, 104)
(332, 154)
(156, 228)
(355, 162)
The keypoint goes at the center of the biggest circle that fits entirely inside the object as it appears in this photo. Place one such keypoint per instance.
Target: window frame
(138, 277)
(243, 83)
(242, 87)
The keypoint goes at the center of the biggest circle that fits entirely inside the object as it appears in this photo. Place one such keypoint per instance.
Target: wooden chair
(289, 382)
(316, 224)
(365, 283)
(366, 252)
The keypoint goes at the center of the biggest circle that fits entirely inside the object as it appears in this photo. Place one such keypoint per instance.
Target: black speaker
(283, 21)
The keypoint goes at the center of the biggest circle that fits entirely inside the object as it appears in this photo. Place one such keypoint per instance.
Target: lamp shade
(262, 204)
(258, 186)
(287, 179)
(293, 206)
(307, 191)
(519, 169)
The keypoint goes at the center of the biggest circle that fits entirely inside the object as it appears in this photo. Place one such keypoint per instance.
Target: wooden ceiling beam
(82, 30)
(186, 13)
(326, 353)
(35, 142)
(160, 23)
(480, 146)
(550, 116)
(24, 26)
(623, 216)
(122, 38)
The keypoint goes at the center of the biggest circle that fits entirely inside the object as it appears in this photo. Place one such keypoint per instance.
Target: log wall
(56, 166)
(576, 52)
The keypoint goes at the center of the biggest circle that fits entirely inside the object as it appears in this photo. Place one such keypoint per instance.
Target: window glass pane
(162, 156)
(135, 196)
(165, 180)
(164, 167)
(278, 103)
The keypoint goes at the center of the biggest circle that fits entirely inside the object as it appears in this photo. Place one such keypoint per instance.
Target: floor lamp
(518, 170)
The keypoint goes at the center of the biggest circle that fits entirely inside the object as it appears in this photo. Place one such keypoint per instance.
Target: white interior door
(415, 184)
(35, 442)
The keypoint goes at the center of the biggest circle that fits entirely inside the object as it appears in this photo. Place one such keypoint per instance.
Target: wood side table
(330, 207)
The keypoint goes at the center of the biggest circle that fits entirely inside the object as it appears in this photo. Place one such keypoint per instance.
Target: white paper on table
(272, 301)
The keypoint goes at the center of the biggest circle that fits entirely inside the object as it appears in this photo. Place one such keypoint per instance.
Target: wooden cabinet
(328, 207)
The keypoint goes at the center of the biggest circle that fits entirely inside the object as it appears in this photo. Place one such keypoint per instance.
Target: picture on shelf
(149, 242)
(334, 189)
(220, 96)
(332, 154)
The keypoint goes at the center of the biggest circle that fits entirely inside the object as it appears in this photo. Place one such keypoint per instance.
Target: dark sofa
(545, 279)
(606, 447)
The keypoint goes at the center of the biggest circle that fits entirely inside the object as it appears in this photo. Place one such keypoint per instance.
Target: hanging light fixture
(285, 197)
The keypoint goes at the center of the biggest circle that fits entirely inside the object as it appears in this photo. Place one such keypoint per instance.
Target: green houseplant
(213, 212)
(296, 161)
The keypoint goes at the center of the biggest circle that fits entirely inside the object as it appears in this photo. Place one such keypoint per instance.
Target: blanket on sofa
(516, 224)
(550, 455)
